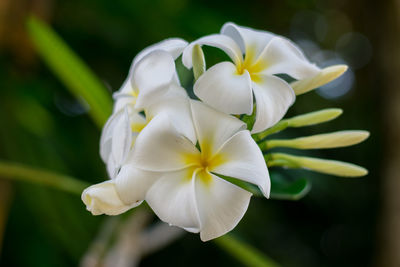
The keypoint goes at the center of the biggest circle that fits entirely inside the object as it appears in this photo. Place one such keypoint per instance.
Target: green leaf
(245, 185)
(284, 188)
(71, 70)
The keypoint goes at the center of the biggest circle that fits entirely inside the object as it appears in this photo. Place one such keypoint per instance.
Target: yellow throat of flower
(252, 65)
(202, 163)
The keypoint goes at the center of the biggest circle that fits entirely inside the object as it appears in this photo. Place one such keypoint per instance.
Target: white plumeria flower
(130, 90)
(180, 182)
(153, 71)
(121, 130)
(229, 87)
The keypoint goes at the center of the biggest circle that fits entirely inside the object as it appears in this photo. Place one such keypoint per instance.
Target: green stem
(306, 119)
(243, 252)
(280, 126)
(19, 172)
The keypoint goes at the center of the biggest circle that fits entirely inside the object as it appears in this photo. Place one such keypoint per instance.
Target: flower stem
(243, 252)
(280, 126)
(20, 172)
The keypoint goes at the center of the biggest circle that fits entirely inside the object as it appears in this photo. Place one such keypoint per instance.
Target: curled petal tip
(103, 199)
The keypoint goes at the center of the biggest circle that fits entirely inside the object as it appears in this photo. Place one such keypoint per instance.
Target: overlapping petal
(112, 167)
(122, 137)
(221, 205)
(273, 98)
(173, 46)
(283, 56)
(161, 147)
(225, 43)
(176, 105)
(132, 183)
(213, 127)
(224, 89)
(124, 99)
(249, 40)
(154, 73)
(242, 159)
(172, 197)
(118, 136)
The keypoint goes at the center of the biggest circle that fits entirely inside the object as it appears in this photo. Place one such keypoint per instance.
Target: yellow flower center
(253, 66)
(203, 163)
(138, 127)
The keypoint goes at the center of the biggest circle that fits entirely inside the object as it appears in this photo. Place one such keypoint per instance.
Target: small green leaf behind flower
(282, 188)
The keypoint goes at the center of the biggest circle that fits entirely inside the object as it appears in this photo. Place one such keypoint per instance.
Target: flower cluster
(177, 153)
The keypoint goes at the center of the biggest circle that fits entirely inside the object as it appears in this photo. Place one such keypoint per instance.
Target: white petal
(283, 56)
(174, 46)
(107, 134)
(123, 99)
(124, 96)
(213, 128)
(250, 41)
(160, 147)
(221, 206)
(273, 98)
(176, 106)
(132, 183)
(220, 41)
(172, 198)
(103, 199)
(243, 159)
(112, 167)
(117, 138)
(224, 89)
(155, 72)
(122, 138)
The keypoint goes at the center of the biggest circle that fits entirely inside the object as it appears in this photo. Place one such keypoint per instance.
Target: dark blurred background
(341, 222)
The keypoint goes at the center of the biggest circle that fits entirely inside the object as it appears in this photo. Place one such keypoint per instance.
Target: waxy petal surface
(273, 98)
(224, 89)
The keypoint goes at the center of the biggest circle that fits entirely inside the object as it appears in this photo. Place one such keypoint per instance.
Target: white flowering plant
(198, 161)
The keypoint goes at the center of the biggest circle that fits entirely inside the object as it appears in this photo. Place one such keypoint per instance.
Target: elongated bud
(199, 62)
(332, 167)
(325, 76)
(328, 140)
(307, 119)
(315, 117)
(103, 199)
